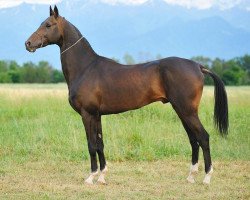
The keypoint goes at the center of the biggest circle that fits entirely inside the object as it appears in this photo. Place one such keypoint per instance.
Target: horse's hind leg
(195, 153)
(192, 122)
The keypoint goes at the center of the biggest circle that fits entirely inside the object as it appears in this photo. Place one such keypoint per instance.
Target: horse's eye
(48, 25)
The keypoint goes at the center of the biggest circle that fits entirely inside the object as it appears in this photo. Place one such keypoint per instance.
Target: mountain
(151, 28)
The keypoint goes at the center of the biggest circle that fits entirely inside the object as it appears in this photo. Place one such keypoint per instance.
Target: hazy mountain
(153, 28)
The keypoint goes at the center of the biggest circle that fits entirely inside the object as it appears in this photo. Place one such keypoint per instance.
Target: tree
(3, 66)
(57, 76)
(4, 77)
(44, 72)
(129, 60)
(115, 59)
(205, 61)
(14, 72)
(217, 66)
(233, 73)
(244, 63)
(28, 73)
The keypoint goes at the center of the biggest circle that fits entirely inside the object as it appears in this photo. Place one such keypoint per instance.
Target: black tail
(221, 106)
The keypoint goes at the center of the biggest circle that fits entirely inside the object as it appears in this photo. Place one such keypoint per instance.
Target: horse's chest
(83, 99)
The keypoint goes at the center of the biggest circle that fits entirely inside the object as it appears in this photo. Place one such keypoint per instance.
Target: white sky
(198, 4)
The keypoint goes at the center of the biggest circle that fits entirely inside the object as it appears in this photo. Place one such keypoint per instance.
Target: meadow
(43, 149)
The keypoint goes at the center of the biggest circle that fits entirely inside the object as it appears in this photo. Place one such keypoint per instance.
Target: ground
(43, 149)
(165, 179)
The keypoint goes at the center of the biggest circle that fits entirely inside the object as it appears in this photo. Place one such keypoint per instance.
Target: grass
(164, 179)
(43, 145)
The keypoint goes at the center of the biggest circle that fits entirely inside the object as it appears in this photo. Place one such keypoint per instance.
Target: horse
(100, 86)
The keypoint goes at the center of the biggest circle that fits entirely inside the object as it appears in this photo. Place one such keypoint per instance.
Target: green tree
(217, 66)
(15, 76)
(244, 63)
(4, 77)
(28, 73)
(128, 59)
(233, 73)
(205, 61)
(57, 76)
(3, 66)
(115, 59)
(14, 72)
(43, 72)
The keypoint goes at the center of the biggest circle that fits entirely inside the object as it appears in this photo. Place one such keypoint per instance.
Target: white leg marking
(208, 176)
(193, 171)
(89, 180)
(101, 178)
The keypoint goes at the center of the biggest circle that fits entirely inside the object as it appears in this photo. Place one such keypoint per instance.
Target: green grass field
(43, 149)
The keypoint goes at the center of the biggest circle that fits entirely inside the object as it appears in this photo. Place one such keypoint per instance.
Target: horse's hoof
(207, 178)
(88, 182)
(190, 179)
(101, 182)
(206, 182)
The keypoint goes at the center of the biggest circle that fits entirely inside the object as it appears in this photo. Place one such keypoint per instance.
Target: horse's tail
(221, 106)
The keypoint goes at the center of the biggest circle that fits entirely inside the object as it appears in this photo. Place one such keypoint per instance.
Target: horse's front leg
(90, 124)
(100, 152)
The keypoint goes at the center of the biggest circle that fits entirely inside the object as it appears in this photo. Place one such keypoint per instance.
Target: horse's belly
(130, 100)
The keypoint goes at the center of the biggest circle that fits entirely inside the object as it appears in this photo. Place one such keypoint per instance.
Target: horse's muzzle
(29, 47)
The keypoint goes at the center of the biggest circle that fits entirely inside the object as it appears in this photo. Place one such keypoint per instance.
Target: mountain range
(143, 31)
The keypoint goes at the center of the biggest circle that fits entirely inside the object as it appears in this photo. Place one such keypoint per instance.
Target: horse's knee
(194, 144)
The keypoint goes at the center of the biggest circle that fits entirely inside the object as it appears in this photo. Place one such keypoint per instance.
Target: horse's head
(48, 33)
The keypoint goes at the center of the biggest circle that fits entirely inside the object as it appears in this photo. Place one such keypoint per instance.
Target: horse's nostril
(28, 43)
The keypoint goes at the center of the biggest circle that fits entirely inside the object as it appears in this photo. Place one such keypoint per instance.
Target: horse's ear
(56, 13)
(51, 12)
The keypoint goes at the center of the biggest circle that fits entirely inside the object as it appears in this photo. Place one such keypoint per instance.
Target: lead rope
(72, 45)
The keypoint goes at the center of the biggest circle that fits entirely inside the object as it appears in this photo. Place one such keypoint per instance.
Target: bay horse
(100, 86)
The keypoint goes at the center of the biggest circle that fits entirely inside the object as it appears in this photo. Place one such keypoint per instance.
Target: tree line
(29, 72)
(234, 71)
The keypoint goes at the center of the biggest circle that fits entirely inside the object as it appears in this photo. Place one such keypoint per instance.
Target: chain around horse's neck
(72, 45)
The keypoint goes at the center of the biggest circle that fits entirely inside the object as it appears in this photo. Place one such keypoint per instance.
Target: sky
(198, 4)
(142, 28)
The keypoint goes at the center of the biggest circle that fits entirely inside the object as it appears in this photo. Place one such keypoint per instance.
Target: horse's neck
(77, 58)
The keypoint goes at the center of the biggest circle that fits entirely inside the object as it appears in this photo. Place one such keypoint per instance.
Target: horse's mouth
(31, 49)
